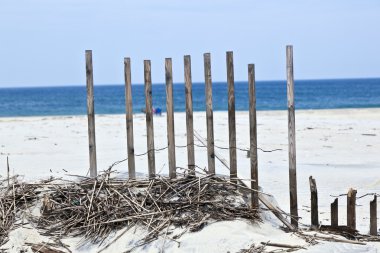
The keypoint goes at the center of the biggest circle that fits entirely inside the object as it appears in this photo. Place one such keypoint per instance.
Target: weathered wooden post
(334, 213)
(231, 116)
(129, 118)
(189, 115)
(209, 114)
(314, 202)
(170, 117)
(253, 136)
(373, 216)
(351, 208)
(291, 137)
(149, 119)
(90, 113)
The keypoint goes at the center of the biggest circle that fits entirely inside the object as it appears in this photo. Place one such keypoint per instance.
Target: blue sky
(42, 42)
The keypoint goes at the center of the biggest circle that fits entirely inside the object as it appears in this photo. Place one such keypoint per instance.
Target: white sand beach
(339, 148)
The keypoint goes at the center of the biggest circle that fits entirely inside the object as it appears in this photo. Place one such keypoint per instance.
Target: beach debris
(254, 249)
(369, 134)
(344, 231)
(262, 197)
(43, 248)
(282, 245)
(263, 247)
(94, 208)
(331, 238)
(14, 196)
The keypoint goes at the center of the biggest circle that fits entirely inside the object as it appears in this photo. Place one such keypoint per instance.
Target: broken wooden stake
(334, 213)
(373, 216)
(351, 208)
(314, 202)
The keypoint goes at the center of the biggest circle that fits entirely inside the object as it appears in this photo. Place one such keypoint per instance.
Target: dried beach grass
(14, 196)
(94, 208)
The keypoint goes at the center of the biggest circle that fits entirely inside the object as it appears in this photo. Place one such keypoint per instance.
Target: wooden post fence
(231, 116)
(351, 208)
(209, 114)
(291, 137)
(170, 117)
(211, 155)
(91, 113)
(129, 118)
(373, 216)
(149, 119)
(253, 136)
(314, 202)
(189, 115)
(334, 213)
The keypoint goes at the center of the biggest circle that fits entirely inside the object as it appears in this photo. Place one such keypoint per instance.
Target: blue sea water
(271, 95)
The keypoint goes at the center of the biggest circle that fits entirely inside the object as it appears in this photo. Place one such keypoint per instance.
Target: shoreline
(182, 112)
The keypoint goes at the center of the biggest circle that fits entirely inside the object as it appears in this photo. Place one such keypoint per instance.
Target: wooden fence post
(129, 118)
(209, 114)
(253, 136)
(314, 202)
(351, 208)
(90, 113)
(149, 119)
(170, 117)
(291, 137)
(373, 216)
(189, 115)
(334, 213)
(231, 116)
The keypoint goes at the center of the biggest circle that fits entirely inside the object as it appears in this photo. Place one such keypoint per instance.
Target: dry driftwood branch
(331, 238)
(282, 245)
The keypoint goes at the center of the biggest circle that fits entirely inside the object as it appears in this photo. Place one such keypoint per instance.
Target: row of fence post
(351, 209)
(189, 121)
(351, 196)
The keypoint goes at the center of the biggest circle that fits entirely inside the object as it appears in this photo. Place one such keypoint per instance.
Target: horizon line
(179, 83)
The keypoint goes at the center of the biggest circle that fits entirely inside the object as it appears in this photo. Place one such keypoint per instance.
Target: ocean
(271, 95)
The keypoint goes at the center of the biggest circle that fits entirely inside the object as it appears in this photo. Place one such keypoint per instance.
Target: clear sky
(42, 42)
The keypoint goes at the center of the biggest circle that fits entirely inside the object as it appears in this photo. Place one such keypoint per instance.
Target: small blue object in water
(157, 111)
